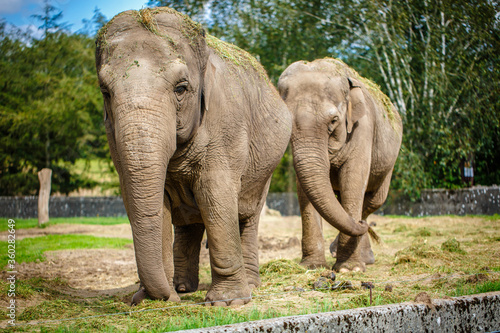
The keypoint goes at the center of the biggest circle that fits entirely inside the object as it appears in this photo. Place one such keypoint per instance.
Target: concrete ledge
(476, 313)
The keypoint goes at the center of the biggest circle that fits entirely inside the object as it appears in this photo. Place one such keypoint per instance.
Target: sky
(18, 12)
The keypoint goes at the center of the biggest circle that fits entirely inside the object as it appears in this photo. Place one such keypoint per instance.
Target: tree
(49, 111)
(436, 62)
(92, 26)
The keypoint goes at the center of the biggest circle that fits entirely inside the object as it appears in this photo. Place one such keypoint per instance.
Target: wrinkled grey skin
(345, 144)
(195, 139)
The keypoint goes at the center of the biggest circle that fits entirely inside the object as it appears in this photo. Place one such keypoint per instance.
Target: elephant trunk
(310, 159)
(144, 147)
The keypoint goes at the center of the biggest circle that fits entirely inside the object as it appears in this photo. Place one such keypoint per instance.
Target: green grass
(470, 289)
(494, 217)
(33, 223)
(32, 249)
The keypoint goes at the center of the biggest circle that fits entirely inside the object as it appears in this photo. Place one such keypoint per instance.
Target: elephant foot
(139, 296)
(186, 285)
(313, 263)
(349, 266)
(253, 279)
(369, 257)
(352, 253)
(186, 279)
(253, 283)
(239, 296)
(333, 247)
(142, 294)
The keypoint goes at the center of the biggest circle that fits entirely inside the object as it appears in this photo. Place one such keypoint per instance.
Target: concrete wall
(477, 200)
(476, 313)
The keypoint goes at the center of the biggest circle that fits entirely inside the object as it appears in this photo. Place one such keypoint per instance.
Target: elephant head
(326, 103)
(152, 68)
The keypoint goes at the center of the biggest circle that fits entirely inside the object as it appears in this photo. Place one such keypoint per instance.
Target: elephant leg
(250, 249)
(313, 251)
(187, 256)
(167, 256)
(373, 201)
(351, 251)
(333, 247)
(219, 209)
(335, 243)
(168, 260)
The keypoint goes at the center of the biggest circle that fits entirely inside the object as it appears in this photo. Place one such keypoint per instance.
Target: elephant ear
(209, 83)
(356, 107)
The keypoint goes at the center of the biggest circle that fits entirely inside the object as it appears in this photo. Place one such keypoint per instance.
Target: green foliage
(283, 179)
(32, 249)
(435, 60)
(50, 114)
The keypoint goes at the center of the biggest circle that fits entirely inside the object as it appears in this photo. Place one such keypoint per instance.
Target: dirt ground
(107, 272)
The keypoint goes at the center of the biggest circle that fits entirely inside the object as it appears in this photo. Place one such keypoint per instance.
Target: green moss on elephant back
(235, 55)
(343, 69)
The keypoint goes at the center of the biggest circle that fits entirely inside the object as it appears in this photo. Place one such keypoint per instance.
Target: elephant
(195, 129)
(346, 137)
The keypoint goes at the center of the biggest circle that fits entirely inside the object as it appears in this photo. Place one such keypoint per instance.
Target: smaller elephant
(346, 137)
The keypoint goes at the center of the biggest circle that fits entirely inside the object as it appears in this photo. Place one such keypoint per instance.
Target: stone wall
(26, 207)
(286, 203)
(476, 200)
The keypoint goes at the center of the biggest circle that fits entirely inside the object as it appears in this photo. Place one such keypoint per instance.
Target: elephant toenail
(219, 304)
(238, 302)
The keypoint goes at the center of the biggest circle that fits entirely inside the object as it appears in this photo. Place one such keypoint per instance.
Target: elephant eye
(333, 124)
(106, 97)
(105, 92)
(180, 90)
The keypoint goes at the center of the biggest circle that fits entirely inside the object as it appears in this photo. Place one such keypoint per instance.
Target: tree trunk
(44, 176)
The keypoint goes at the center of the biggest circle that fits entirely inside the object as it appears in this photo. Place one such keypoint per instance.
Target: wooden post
(44, 176)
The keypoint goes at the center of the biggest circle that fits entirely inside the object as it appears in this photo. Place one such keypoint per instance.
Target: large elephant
(345, 140)
(195, 130)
